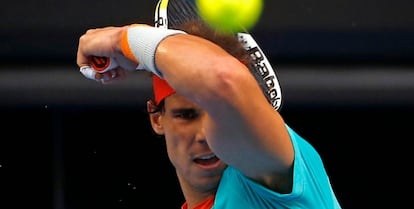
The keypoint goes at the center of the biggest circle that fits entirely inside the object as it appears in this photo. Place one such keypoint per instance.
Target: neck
(195, 196)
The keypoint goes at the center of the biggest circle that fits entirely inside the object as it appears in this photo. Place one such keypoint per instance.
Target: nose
(200, 135)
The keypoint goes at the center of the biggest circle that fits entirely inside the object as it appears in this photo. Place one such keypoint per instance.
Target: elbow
(230, 80)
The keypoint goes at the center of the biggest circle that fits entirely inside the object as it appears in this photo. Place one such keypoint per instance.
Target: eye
(186, 114)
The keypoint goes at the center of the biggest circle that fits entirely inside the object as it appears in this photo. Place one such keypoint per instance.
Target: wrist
(139, 43)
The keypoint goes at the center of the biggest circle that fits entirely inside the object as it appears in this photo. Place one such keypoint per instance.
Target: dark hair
(227, 41)
(159, 108)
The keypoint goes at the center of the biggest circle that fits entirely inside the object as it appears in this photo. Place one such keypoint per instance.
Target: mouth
(207, 160)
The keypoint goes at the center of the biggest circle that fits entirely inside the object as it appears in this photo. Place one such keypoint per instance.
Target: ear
(155, 117)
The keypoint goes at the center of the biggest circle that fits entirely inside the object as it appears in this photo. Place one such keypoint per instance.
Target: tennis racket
(171, 13)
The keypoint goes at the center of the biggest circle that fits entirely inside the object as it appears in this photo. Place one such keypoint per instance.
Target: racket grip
(103, 64)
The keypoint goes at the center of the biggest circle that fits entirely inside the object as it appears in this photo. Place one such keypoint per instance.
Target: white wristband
(143, 42)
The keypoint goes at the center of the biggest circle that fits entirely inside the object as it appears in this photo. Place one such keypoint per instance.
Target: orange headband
(161, 89)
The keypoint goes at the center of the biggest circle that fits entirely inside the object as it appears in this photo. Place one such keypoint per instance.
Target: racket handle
(103, 64)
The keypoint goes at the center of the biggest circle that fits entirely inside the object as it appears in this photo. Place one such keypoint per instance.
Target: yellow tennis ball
(230, 15)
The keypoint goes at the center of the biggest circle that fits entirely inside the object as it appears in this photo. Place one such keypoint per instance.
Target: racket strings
(181, 11)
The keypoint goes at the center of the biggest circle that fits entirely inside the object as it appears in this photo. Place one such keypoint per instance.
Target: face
(182, 123)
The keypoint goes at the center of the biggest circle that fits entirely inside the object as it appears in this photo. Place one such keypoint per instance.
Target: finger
(112, 75)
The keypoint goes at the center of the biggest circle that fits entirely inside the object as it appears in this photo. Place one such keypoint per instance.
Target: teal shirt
(311, 186)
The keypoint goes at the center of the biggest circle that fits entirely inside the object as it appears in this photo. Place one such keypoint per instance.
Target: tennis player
(229, 147)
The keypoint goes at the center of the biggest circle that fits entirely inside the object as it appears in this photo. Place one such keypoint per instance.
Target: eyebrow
(181, 109)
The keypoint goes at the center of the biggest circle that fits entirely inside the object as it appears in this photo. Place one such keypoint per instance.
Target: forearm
(197, 68)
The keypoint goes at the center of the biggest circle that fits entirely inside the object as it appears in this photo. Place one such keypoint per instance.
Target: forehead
(177, 101)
